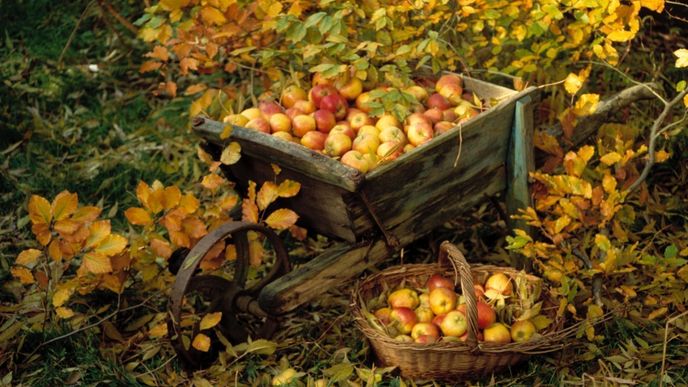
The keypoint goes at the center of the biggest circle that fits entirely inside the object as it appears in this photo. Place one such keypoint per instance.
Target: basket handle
(450, 252)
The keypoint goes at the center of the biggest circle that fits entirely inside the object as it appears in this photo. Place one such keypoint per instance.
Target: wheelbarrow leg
(520, 162)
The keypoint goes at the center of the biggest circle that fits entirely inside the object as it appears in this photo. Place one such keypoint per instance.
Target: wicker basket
(450, 360)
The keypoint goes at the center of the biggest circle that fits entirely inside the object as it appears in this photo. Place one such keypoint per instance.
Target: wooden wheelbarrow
(372, 216)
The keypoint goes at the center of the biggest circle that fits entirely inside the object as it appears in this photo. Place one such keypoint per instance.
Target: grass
(98, 133)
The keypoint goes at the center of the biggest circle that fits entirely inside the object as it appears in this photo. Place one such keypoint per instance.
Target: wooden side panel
(320, 206)
(430, 187)
(284, 153)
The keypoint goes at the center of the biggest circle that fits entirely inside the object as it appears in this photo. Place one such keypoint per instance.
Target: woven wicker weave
(450, 360)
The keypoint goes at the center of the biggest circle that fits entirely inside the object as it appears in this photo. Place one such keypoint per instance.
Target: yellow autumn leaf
(609, 183)
(288, 188)
(63, 312)
(212, 15)
(97, 232)
(111, 245)
(64, 205)
(685, 100)
(249, 211)
(586, 104)
(212, 181)
(143, 192)
(189, 204)
(150, 65)
(573, 83)
(96, 263)
(161, 248)
(620, 36)
(138, 216)
(66, 226)
(62, 294)
(275, 169)
(159, 330)
(658, 313)
(86, 214)
(266, 195)
(654, 5)
(210, 320)
(610, 158)
(681, 57)
(561, 223)
(195, 88)
(39, 210)
(171, 197)
(172, 5)
(282, 219)
(28, 257)
(201, 342)
(602, 242)
(662, 156)
(55, 251)
(231, 154)
(23, 274)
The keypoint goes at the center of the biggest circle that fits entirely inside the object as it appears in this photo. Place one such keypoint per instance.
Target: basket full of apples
(433, 322)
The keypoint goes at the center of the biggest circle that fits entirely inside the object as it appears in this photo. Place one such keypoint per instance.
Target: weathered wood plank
(320, 274)
(520, 161)
(283, 153)
(320, 205)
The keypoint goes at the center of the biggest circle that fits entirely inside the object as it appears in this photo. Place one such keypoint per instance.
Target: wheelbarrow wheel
(242, 317)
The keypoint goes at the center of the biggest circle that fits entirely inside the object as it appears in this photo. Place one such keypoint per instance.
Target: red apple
(355, 160)
(368, 129)
(389, 150)
(383, 314)
(363, 101)
(366, 143)
(352, 89)
(437, 320)
(393, 134)
(436, 100)
(404, 297)
(334, 103)
(372, 160)
(252, 113)
(344, 129)
(419, 133)
(303, 124)
(387, 120)
(424, 314)
(479, 291)
(454, 324)
(307, 107)
(324, 120)
(438, 281)
(497, 333)
(286, 136)
(442, 127)
(280, 122)
(314, 140)
(500, 283)
(268, 108)
(292, 112)
(318, 79)
(442, 300)
(522, 330)
(478, 337)
(260, 124)
(426, 339)
(449, 115)
(425, 329)
(434, 115)
(405, 319)
(448, 79)
(358, 119)
(486, 315)
(337, 144)
(452, 92)
(319, 92)
(417, 92)
(291, 94)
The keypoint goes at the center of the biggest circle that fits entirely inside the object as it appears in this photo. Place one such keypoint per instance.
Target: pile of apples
(334, 118)
(437, 312)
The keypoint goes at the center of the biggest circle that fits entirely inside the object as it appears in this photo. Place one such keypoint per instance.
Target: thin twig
(126, 23)
(71, 36)
(656, 126)
(664, 346)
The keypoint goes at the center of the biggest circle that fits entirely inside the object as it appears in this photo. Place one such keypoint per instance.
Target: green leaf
(671, 251)
(339, 372)
(261, 347)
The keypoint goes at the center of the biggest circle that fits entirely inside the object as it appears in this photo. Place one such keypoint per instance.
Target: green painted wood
(520, 163)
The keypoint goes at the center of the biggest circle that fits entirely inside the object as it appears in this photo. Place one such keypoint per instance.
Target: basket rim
(549, 341)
